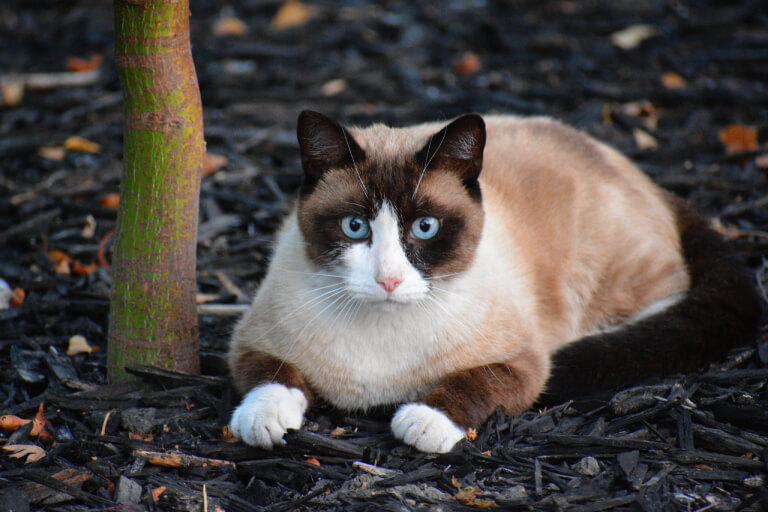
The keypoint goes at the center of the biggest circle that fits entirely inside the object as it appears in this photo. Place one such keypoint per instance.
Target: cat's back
(596, 231)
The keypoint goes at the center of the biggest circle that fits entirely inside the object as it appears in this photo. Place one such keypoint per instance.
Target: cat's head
(391, 211)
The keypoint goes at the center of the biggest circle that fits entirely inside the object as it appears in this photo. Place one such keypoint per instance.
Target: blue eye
(355, 227)
(425, 227)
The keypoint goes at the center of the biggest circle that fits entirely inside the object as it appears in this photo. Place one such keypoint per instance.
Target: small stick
(180, 460)
(222, 309)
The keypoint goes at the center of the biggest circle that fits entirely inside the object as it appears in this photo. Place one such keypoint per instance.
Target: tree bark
(153, 319)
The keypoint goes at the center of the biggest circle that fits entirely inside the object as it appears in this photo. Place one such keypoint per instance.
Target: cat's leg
(276, 401)
(467, 398)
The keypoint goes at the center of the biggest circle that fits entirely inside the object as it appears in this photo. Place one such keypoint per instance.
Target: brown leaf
(83, 270)
(314, 461)
(11, 92)
(76, 143)
(80, 64)
(229, 26)
(11, 423)
(18, 297)
(632, 36)
(738, 138)
(157, 492)
(291, 14)
(55, 153)
(672, 80)
(700, 466)
(32, 452)
(469, 63)
(211, 162)
(644, 140)
(111, 201)
(62, 261)
(38, 428)
(227, 435)
(471, 434)
(468, 496)
(79, 345)
(338, 431)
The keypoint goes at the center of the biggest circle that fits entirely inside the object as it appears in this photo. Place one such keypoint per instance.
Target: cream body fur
(575, 240)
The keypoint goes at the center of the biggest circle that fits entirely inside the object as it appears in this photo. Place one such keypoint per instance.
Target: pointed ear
(325, 144)
(459, 147)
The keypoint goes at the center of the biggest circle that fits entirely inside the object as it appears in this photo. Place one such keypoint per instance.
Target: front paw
(266, 413)
(425, 428)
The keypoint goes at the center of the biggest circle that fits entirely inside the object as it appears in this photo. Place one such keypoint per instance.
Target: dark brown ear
(458, 147)
(325, 144)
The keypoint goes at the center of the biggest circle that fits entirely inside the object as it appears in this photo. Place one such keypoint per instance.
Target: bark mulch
(683, 92)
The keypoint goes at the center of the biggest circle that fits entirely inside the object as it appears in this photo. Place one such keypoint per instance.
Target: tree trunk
(153, 318)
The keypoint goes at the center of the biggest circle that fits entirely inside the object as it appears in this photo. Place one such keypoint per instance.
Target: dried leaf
(700, 466)
(111, 201)
(672, 80)
(157, 492)
(62, 261)
(211, 162)
(11, 423)
(18, 297)
(644, 140)
(471, 434)
(632, 36)
(738, 138)
(468, 496)
(338, 431)
(11, 92)
(56, 153)
(80, 64)
(90, 227)
(229, 26)
(38, 425)
(292, 13)
(469, 63)
(333, 87)
(83, 270)
(76, 143)
(141, 436)
(227, 435)
(79, 345)
(32, 452)
(314, 461)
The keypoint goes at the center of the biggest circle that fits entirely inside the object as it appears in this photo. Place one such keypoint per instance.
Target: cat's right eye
(355, 227)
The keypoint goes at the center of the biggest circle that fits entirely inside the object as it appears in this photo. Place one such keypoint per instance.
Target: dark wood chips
(694, 442)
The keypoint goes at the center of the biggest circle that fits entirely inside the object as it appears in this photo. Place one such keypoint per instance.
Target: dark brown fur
(254, 368)
(722, 310)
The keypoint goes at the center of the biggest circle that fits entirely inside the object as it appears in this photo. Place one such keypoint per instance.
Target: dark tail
(721, 310)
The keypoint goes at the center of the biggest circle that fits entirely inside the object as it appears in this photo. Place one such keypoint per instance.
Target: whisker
(308, 273)
(354, 164)
(428, 161)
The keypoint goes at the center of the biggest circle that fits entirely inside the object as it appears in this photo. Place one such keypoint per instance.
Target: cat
(455, 267)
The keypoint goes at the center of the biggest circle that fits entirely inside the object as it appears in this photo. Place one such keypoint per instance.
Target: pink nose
(389, 283)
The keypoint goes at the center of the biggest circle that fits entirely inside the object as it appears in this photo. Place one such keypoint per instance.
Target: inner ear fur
(457, 148)
(324, 144)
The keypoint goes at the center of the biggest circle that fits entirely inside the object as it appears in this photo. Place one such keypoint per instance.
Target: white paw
(266, 413)
(425, 428)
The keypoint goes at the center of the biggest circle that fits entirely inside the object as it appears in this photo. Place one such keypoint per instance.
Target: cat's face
(391, 227)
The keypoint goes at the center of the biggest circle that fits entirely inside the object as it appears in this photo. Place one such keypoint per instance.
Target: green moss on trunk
(153, 318)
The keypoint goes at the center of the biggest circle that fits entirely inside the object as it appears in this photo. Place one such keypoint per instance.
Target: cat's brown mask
(347, 174)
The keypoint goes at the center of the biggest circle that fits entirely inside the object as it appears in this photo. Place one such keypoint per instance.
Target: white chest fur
(355, 352)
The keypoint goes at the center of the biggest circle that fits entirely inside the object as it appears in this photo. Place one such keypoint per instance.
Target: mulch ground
(683, 92)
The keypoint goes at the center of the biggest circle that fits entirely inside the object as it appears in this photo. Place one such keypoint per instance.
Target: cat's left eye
(425, 227)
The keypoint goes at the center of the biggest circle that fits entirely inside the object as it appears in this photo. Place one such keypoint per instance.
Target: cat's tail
(722, 309)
